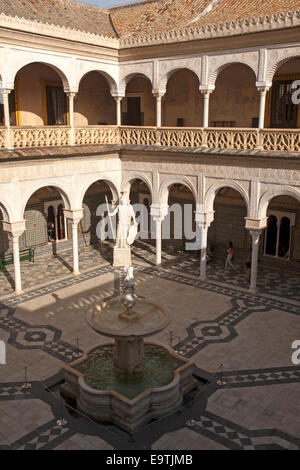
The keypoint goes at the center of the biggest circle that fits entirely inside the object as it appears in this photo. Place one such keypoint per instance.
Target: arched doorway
(138, 106)
(95, 228)
(179, 227)
(141, 200)
(94, 104)
(183, 102)
(40, 96)
(235, 100)
(281, 111)
(45, 221)
(230, 211)
(282, 235)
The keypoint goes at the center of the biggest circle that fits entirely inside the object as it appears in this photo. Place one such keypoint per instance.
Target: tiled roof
(61, 13)
(145, 17)
(155, 16)
(233, 10)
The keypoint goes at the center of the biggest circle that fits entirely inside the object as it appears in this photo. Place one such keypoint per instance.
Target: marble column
(255, 234)
(15, 230)
(75, 248)
(71, 96)
(158, 223)
(158, 110)
(118, 100)
(75, 216)
(203, 252)
(5, 95)
(206, 108)
(262, 107)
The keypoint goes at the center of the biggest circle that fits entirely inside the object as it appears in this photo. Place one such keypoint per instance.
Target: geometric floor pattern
(251, 406)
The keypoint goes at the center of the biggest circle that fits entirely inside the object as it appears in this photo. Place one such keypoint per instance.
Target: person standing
(229, 257)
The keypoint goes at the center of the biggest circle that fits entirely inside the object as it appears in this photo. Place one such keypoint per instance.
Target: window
(279, 234)
(283, 111)
(56, 105)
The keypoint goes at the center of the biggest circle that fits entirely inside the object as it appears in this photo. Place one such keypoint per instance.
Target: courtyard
(241, 343)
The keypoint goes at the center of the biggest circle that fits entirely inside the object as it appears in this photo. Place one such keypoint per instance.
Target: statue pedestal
(122, 257)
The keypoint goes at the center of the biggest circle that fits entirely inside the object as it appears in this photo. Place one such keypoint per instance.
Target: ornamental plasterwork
(218, 63)
(145, 68)
(110, 71)
(166, 68)
(62, 64)
(277, 57)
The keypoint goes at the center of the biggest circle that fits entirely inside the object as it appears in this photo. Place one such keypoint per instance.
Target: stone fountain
(130, 381)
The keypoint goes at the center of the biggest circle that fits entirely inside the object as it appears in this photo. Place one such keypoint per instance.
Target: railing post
(204, 137)
(259, 139)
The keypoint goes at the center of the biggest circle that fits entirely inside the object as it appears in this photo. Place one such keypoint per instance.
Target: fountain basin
(128, 400)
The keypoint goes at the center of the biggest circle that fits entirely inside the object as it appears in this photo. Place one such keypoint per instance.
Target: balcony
(266, 140)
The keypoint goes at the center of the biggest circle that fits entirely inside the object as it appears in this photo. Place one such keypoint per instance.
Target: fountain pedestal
(127, 382)
(129, 355)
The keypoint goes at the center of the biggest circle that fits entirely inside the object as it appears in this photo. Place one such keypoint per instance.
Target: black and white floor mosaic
(240, 342)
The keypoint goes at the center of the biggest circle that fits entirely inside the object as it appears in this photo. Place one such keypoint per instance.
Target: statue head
(123, 199)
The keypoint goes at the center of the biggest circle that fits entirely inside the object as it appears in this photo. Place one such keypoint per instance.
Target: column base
(76, 273)
(253, 291)
(122, 257)
(203, 278)
(19, 292)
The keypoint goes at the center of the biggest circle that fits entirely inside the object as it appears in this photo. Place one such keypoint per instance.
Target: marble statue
(126, 231)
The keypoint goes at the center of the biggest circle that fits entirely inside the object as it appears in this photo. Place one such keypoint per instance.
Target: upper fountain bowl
(116, 321)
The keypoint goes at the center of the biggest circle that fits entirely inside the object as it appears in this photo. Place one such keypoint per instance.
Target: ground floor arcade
(240, 342)
(48, 230)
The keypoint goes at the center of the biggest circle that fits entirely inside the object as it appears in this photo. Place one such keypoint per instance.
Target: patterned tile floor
(241, 342)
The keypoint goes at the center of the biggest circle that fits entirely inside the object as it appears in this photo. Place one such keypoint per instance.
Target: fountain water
(131, 381)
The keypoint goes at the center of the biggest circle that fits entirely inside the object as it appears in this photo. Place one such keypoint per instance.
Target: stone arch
(126, 79)
(270, 194)
(215, 187)
(6, 212)
(277, 64)
(169, 181)
(220, 67)
(163, 82)
(57, 68)
(93, 179)
(126, 185)
(111, 81)
(63, 193)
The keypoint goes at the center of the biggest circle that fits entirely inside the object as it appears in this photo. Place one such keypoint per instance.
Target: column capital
(5, 91)
(263, 87)
(74, 216)
(159, 94)
(255, 233)
(14, 228)
(253, 223)
(204, 219)
(159, 212)
(71, 94)
(206, 89)
(118, 97)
